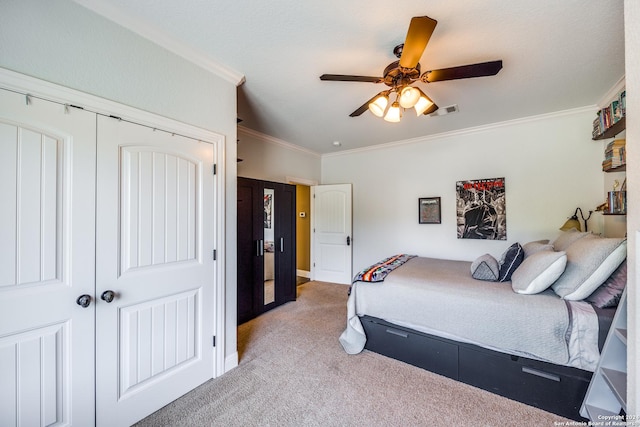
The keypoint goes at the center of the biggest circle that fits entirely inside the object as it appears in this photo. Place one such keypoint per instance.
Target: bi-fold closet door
(266, 246)
(106, 269)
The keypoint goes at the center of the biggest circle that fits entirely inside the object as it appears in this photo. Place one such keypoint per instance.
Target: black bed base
(553, 388)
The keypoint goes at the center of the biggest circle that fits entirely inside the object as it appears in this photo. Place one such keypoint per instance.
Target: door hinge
(215, 168)
(214, 340)
(215, 255)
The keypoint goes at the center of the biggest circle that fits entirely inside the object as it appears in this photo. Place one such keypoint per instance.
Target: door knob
(84, 301)
(108, 296)
(348, 240)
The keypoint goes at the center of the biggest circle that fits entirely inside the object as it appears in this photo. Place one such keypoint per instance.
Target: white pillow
(537, 246)
(590, 261)
(538, 271)
(566, 238)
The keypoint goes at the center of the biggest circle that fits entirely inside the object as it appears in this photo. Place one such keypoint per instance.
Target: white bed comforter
(439, 297)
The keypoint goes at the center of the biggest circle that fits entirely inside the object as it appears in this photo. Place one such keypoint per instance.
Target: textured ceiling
(557, 55)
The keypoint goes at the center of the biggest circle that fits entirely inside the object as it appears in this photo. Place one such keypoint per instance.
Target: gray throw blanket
(440, 297)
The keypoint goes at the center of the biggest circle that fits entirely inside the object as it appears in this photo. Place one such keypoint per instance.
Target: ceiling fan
(402, 74)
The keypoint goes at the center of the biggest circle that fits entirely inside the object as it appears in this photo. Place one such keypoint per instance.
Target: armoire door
(250, 271)
(155, 269)
(286, 243)
(47, 253)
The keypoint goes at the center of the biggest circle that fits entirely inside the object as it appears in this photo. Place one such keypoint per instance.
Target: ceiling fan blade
(430, 110)
(347, 78)
(418, 35)
(364, 107)
(482, 69)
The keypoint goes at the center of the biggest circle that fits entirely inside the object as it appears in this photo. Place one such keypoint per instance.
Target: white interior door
(155, 241)
(332, 249)
(47, 191)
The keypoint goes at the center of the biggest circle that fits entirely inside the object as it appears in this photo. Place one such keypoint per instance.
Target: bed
(529, 327)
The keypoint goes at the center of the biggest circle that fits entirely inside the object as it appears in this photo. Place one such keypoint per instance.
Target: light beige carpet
(293, 372)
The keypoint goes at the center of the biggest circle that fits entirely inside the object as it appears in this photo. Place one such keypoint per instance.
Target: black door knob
(108, 296)
(84, 301)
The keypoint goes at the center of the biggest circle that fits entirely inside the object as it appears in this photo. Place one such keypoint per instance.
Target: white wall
(64, 43)
(549, 163)
(267, 158)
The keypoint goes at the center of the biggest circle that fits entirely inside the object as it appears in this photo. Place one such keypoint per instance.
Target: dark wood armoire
(266, 246)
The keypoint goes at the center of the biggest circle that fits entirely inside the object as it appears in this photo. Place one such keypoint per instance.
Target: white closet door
(47, 195)
(155, 241)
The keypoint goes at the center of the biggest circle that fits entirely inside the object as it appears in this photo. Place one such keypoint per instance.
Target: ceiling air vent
(445, 110)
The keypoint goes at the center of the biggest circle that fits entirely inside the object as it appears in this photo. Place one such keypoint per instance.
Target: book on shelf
(610, 115)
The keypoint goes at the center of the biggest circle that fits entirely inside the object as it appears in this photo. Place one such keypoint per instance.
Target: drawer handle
(398, 333)
(540, 374)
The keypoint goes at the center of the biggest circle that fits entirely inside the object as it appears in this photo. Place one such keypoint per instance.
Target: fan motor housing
(395, 75)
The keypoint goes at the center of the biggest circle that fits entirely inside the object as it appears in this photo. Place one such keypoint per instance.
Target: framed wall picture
(481, 209)
(429, 210)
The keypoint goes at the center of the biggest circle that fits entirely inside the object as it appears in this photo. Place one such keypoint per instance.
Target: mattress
(439, 297)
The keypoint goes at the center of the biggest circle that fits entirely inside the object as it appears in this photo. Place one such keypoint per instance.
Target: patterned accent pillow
(510, 260)
(485, 267)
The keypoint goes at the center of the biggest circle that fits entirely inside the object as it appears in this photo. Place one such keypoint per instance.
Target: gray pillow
(538, 271)
(510, 260)
(566, 238)
(537, 246)
(485, 267)
(590, 261)
(610, 292)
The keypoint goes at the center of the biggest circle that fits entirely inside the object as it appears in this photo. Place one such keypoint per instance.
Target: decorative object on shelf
(573, 222)
(481, 209)
(429, 210)
(617, 200)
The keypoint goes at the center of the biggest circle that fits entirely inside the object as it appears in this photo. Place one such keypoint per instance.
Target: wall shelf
(622, 168)
(612, 130)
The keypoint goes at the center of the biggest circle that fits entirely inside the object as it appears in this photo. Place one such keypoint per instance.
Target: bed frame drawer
(409, 346)
(557, 389)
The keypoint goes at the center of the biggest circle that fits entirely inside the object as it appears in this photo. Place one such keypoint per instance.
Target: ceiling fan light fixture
(394, 114)
(409, 95)
(423, 103)
(379, 105)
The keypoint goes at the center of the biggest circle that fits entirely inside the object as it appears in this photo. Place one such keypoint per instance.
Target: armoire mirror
(266, 246)
(269, 246)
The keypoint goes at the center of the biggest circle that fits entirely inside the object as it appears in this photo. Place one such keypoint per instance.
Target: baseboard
(230, 362)
(303, 273)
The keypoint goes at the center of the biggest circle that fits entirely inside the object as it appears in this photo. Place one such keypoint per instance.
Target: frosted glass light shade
(378, 105)
(423, 103)
(394, 113)
(409, 96)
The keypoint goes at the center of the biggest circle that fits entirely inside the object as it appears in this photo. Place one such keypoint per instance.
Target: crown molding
(276, 141)
(612, 93)
(162, 39)
(467, 131)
